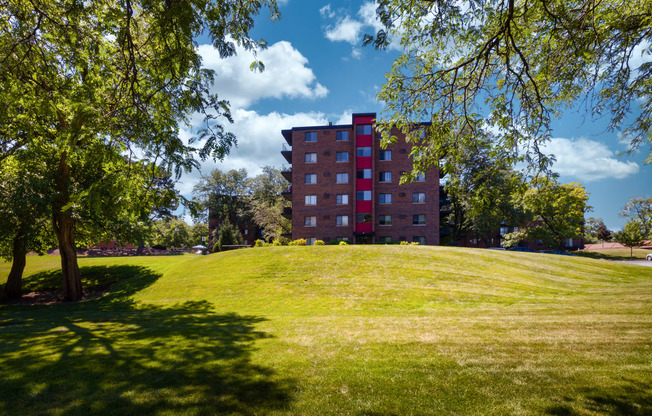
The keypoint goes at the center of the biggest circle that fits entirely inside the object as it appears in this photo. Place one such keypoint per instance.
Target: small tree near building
(631, 236)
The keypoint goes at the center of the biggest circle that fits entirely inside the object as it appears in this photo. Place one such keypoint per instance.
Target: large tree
(100, 78)
(512, 66)
(639, 209)
(556, 212)
(267, 204)
(222, 195)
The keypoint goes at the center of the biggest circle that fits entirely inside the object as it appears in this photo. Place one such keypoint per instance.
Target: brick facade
(322, 143)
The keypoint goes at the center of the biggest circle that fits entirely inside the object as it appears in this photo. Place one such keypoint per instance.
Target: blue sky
(317, 71)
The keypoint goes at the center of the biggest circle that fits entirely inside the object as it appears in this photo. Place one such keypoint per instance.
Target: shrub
(259, 243)
(404, 243)
(343, 243)
(276, 243)
(216, 248)
(319, 243)
(299, 242)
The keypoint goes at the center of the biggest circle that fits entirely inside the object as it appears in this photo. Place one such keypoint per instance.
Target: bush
(319, 243)
(299, 242)
(343, 243)
(276, 243)
(404, 243)
(259, 243)
(216, 248)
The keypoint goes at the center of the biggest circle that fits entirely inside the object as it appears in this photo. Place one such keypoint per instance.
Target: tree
(640, 210)
(96, 79)
(198, 231)
(556, 210)
(480, 187)
(172, 233)
(513, 66)
(24, 216)
(221, 195)
(595, 230)
(267, 204)
(227, 234)
(631, 236)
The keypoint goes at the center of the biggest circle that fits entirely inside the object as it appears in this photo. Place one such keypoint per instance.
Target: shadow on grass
(114, 356)
(91, 276)
(630, 397)
(604, 256)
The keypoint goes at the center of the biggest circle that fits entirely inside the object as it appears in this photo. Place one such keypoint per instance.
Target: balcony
(287, 174)
(288, 193)
(287, 212)
(287, 135)
(287, 154)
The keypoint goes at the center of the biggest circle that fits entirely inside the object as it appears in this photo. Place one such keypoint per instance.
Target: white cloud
(587, 160)
(350, 30)
(346, 30)
(259, 141)
(286, 75)
(326, 12)
(356, 53)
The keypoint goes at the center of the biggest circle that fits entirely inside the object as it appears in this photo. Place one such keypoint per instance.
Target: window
(311, 136)
(569, 242)
(310, 241)
(385, 155)
(364, 129)
(385, 198)
(385, 176)
(363, 196)
(384, 239)
(420, 240)
(385, 220)
(419, 219)
(311, 199)
(245, 232)
(342, 199)
(363, 217)
(419, 198)
(504, 230)
(342, 220)
(342, 136)
(364, 151)
(342, 156)
(342, 178)
(311, 157)
(421, 177)
(311, 178)
(310, 221)
(363, 174)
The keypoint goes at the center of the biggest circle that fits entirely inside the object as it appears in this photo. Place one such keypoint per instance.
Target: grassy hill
(354, 330)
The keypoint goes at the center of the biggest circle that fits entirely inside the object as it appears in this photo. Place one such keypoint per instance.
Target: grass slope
(353, 330)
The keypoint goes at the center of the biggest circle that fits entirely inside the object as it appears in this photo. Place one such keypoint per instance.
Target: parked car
(649, 257)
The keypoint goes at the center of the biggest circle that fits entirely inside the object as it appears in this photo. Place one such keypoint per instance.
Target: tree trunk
(64, 227)
(14, 286)
(141, 247)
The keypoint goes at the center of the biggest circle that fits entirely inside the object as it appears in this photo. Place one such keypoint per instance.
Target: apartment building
(344, 186)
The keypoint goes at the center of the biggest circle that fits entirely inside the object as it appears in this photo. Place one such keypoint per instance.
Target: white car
(649, 257)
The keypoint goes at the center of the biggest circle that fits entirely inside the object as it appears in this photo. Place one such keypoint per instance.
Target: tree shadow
(629, 397)
(114, 356)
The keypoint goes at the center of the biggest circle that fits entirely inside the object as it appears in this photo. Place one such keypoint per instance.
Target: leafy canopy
(512, 66)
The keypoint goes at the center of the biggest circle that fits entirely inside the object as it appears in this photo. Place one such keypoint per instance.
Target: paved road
(639, 262)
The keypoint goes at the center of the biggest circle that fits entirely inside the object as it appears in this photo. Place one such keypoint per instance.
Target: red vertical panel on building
(363, 206)
(364, 140)
(364, 163)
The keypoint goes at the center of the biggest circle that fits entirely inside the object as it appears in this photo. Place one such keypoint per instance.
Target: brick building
(344, 186)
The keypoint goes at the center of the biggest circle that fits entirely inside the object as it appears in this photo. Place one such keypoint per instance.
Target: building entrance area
(363, 239)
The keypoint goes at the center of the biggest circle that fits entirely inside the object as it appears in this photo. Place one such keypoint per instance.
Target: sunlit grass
(615, 253)
(336, 330)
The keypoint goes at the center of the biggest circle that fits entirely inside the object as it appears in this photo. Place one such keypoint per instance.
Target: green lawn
(615, 253)
(335, 330)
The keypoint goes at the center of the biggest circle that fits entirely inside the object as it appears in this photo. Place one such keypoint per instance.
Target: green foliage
(556, 212)
(640, 210)
(258, 243)
(228, 235)
(512, 67)
(596, 231)
(631, 235)
(172, 233)
(298, 242)
(343, 243)
(216, 248)
(277, 243)
(319, 242)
